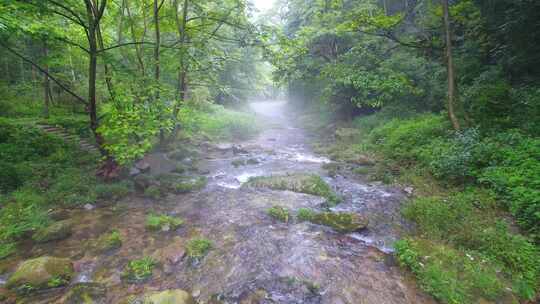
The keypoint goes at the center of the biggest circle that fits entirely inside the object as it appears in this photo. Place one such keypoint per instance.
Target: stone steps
(82, 143)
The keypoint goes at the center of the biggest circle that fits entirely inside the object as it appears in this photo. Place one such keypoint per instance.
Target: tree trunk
(46, 82)
(450, 68)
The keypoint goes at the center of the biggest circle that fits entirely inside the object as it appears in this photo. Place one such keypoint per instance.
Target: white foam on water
(227, 185)
(244, 177)
(309, 158)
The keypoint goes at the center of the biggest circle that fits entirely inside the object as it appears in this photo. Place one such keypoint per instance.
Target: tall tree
(452, 95)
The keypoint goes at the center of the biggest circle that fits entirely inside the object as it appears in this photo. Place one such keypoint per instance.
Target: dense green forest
(116, 114)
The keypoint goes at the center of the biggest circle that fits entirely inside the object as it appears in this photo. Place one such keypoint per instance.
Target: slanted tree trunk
(450, 68)
(46, 82)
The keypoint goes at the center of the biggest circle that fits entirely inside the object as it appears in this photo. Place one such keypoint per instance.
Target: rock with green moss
(171, 296)
(305, 214)
(162, 222)
(154, 192)
(143, 181)
(180, 183)
(87, 293)
(303, 183)
(279, 213)
(41, 273)
(341, 221)
(54, 232)
(108, 242)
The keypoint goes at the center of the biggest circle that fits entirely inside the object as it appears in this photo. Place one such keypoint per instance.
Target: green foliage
(153, 192)
(197, 248)
(113, 192)
(305, 214)
(218, 123)
(401, 139)
(449, 275)
(279, 213)
(7, 249)
(109, 241)
(24, 212)
(162, 222)
(140, 270)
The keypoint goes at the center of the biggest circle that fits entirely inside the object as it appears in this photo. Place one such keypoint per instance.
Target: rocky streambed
(269, 224)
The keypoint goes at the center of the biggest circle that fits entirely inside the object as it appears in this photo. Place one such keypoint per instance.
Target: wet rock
(181, 184)
(181, 153)
(224, 147)
(143, 181)
(134, 172)
(89, 207)
(409, 190)
(142, 166)
(41, 273)
(57, 231)
(341, 221)
(239, 150)
(171, 254)
(86, 293)
(255, 297)
(252, 161)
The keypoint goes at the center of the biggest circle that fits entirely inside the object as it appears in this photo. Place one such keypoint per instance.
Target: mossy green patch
(139, 270)
(56, 231)
(108, 241)
(305, 214)
(279, 213)
(162, 222)
(340, 221)
(41, 273)
(198, 247)
(303, 183)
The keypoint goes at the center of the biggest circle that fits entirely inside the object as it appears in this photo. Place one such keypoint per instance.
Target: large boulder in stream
(41, 273)
(343, 222)
(57, 231)
(172, 296)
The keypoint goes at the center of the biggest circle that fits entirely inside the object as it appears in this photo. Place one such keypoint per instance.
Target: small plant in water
(279, 213)
(162, 222)
(139, 270)
(198, 247)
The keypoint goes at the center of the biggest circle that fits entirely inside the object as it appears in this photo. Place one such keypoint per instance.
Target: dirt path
(254, 259)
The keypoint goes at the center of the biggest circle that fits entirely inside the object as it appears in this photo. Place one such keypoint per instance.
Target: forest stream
(254, 258)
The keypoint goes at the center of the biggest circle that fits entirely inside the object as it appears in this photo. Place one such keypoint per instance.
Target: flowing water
(253, 256)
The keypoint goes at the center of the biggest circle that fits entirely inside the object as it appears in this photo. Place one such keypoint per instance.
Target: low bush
(279, 213)
(139, 270)
(162, 222)
(198, 247)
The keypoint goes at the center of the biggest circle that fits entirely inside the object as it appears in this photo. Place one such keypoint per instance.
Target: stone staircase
(62, 133)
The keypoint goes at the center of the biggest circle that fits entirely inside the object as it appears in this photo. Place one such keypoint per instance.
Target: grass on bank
(473, 190)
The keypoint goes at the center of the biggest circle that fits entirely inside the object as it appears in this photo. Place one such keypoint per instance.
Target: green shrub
(401, 139)
(7, 249)
(279, 213)
(153, 192)
(198, 247)
(24, 212)
(73, 187)
(449, 275)
(162, 222)
(114, 191)
(140, 270)
(305, 214)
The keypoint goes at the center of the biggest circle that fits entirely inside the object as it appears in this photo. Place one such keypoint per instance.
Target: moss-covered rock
(56, 231)
(180, 183)
(305, 214)
(108, 241)
(341, 221)
(279, 213)
(86, 293)
(41, 273)
(143, 181)
(154, 192)
(303, 183)
(172, 296)
(181, 153)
